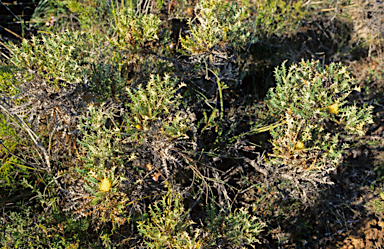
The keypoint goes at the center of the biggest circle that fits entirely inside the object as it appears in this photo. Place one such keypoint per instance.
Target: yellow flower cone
(105, 185)
(300, 145)
(334, 108)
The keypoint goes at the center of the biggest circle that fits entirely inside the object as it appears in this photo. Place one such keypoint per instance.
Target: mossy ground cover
(194, 124)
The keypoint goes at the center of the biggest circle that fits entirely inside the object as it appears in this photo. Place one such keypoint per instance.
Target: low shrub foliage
(140, 131)
(311, 103)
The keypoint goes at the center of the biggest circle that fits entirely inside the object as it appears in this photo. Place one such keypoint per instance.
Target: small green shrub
(378, 205)
(106, 81)
(168, 226)
(278, 17)
(30, 229)
(8, 84)
(157, 126)
(236, 228)
(157, 106)
(9, 138)
(213, 42)
(102, 155)
(56, 58)
(133, 30)
(108, 147)
(138, 39)
(92, 15)
(218, 24)
(310, 104)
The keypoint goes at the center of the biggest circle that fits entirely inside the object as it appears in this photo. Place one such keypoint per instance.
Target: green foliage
(47, 198)
(102, 148)
(106, 81)
(277, 17)
(238, 227)
(9, 138)
(160, 4)
(168, 226)
(11, 171)
(107, 146)
(30, 229)
(47, 13)
(213, 44)
(92, 15)
(133, 30)
(8, 83)
(157, 105)
(144, 128)
(56, 58)
(218, 24)
(378, 204)
(101, 143)
(138, 37)
(124, 38)
(311, 101)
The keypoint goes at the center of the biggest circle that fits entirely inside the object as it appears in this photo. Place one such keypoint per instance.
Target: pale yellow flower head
(300, 145)
(105, 185)
(334, 108)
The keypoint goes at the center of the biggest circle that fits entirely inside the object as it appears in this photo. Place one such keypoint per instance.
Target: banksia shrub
(116, 141)
(138, 38)
(218, 24)
(218, 32)
(8, 146)
(278, 18)
(8, 134)
(157, 105)
(119, 112)
(237, 228)
(55, 58)
(169, 226)
(133, 30)
(311, 103)
(98, 172)
(157, 123)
